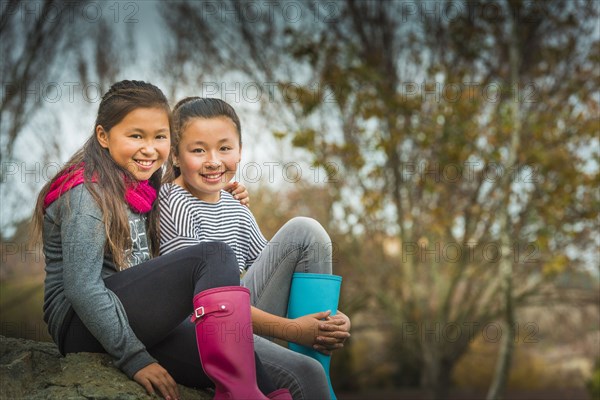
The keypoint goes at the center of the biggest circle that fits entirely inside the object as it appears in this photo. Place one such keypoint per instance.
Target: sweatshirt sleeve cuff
(139, 361)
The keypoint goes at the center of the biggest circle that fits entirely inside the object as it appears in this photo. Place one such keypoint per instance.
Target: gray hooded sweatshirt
(76, 266)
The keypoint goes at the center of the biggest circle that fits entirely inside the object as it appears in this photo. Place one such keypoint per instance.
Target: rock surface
(36, 370)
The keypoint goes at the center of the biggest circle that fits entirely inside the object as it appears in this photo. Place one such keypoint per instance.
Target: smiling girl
(206, 148)
(104, 291)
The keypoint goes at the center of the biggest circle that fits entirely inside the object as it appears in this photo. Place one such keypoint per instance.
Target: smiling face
(207, 156)
(140, 142)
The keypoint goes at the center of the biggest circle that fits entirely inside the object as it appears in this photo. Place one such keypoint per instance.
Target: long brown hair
(109, 192)
(196, 107)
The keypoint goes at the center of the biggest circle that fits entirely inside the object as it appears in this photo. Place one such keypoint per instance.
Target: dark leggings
(157, 297)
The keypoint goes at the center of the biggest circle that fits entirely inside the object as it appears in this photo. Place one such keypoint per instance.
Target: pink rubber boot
(225, 342)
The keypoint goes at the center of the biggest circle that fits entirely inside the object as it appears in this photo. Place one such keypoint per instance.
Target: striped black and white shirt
(186, 220)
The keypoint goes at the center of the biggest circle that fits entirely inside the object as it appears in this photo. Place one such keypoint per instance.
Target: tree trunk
(503, 365)
(436, 373)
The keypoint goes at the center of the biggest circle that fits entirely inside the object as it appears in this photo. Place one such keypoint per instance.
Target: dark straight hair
(109, 193)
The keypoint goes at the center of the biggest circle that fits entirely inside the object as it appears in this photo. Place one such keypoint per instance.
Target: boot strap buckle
(201, 311)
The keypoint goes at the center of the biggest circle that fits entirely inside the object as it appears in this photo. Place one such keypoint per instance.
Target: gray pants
(301, 245)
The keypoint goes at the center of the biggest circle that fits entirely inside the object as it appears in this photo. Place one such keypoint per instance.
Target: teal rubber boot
(312, 293)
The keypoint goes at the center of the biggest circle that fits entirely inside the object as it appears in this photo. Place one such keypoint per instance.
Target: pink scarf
(139, 194)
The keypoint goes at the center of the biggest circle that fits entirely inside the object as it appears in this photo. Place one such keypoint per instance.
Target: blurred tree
(45, 46)
(467, 130)
(33, 37)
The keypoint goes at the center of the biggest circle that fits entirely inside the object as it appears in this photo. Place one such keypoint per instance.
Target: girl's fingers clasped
(333, 332)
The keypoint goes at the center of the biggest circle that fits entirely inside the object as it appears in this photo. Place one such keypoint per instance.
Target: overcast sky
(69, 110)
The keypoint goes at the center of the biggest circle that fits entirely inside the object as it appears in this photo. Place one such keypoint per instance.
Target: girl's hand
(323, 336)
(305, 330)
(239, 192)
(154, 376)
(333, 333)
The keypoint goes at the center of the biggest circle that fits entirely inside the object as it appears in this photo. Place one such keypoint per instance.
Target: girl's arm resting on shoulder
(239, 192)
(303, 330)
(101, 311)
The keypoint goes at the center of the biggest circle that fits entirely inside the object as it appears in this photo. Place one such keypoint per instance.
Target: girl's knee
(311, 227)
(218, 260)
(222, 257)
(311, 367)
(219, 250)
(211, 251)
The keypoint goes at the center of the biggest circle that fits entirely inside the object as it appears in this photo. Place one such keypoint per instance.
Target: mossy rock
(36, 370)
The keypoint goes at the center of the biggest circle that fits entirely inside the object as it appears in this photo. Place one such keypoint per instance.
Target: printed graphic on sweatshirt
(140, 251)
